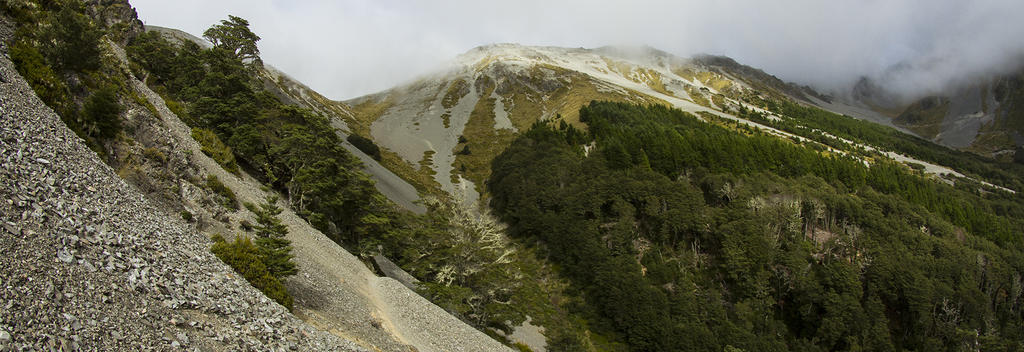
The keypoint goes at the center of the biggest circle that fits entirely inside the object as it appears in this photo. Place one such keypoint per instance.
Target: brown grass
(484, 143)
(366, 112)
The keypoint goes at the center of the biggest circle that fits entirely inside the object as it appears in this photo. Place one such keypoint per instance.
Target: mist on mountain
(351, 48)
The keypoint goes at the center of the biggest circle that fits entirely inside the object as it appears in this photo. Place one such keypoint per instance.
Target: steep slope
(119, 272)
(334, 291)
(447, 127)
(983, 116)
(293, 92)
(925, 115)
(89, 262)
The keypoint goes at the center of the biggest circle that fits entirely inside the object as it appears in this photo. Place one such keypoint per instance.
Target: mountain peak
(506, 52)
(633, 51)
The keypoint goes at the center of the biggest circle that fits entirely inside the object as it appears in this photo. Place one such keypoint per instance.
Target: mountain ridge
(439, 124)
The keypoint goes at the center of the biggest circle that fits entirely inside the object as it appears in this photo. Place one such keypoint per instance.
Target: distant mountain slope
(447, 127)
(984, 115)
(452, 123)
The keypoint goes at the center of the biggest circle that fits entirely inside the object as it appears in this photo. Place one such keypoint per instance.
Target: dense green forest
(812, 122)
(683, 235)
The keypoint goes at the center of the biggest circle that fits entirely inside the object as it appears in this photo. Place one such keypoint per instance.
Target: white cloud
(353, 47)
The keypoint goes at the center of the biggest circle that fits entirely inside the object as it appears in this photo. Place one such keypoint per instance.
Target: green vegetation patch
(458, 89)
(682, 235)
(427, 163)
(924, 116)
(366, 112)
(685, 72)
(228, 198)
(714, 80)
(622, 68)
(697, 96)
(480, 142)
(654, 81)
(213, 147)
(719, 101)
(365, 145)
(55, 45)
(244, 257)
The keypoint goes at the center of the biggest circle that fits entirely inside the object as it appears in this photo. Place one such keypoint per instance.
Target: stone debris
(89, 263)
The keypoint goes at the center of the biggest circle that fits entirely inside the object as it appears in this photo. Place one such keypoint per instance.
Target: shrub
(213, 147)
(154, 154)
(230, 201)
(101, 114)
(31, 65)
(75, 39)
(366, 145)
(243, 256)
(178, 109)
(185, 214)
(521, 347)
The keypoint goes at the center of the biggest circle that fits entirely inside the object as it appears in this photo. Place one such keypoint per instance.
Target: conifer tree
(274, 249)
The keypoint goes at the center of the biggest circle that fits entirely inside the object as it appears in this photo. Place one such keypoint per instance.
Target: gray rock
(65, 256)
(388, 268)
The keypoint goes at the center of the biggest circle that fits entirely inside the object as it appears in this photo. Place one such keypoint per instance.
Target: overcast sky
(348, 48)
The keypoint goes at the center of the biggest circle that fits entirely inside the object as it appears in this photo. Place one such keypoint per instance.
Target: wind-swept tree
(234, 36)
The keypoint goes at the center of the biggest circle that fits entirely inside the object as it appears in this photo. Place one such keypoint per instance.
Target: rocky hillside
(89, 261)
(111, 246)
(986, 117)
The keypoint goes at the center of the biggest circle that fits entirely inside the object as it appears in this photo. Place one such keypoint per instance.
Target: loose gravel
(87, 262)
